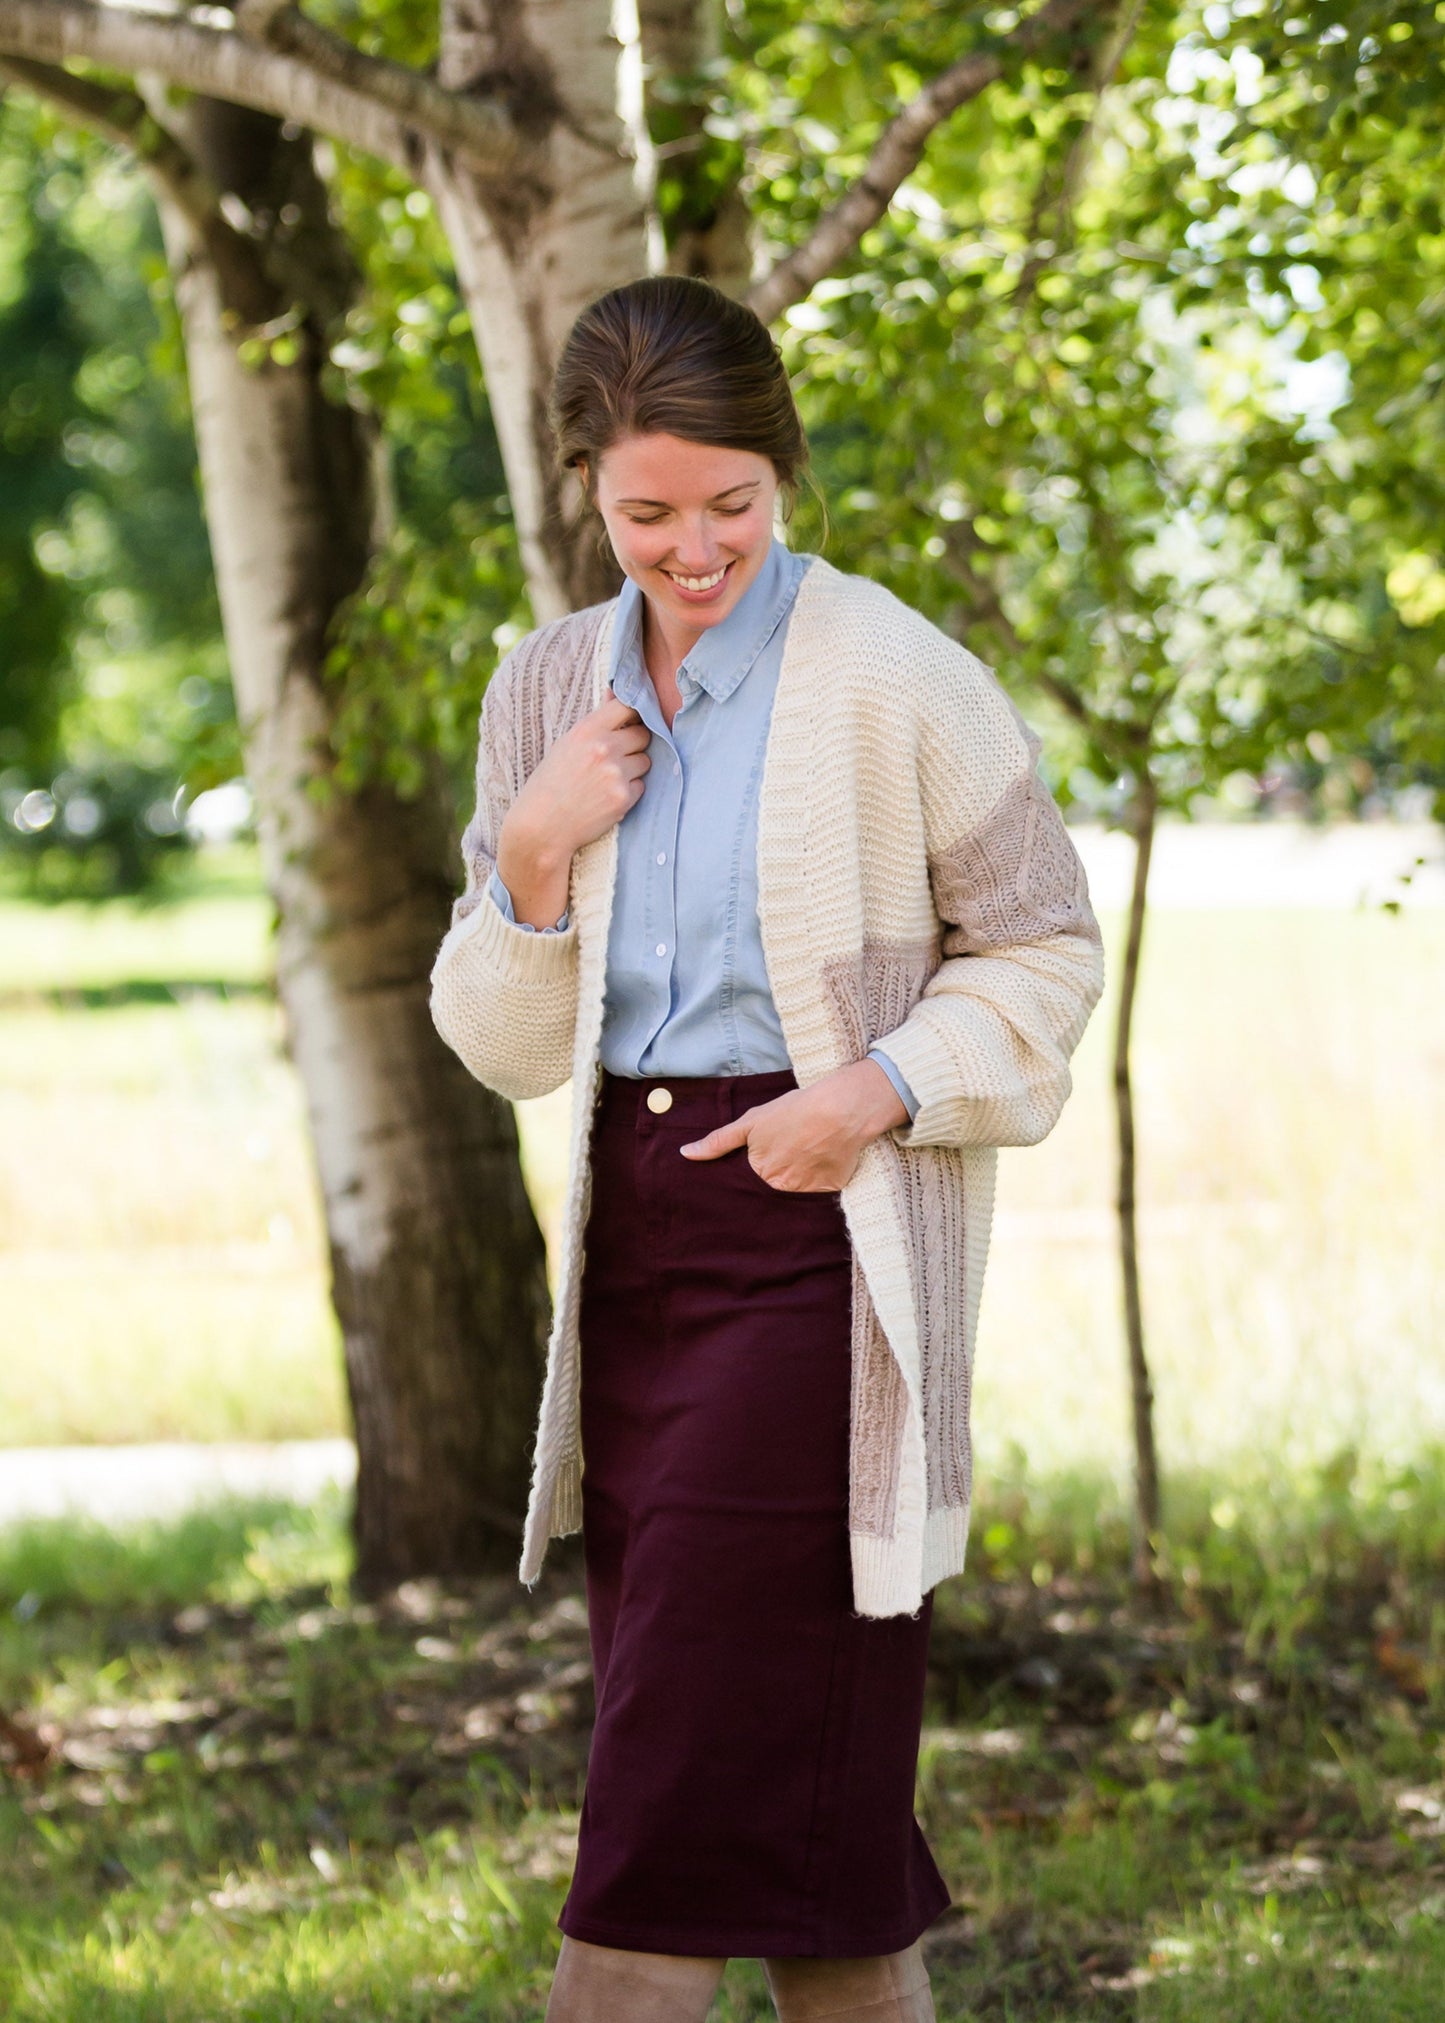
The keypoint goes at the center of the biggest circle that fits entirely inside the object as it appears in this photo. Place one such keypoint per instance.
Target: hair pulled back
(670, 355)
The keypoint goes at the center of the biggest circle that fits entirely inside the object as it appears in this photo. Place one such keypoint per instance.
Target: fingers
(726, 1138)
(614, 713)
(619, 721)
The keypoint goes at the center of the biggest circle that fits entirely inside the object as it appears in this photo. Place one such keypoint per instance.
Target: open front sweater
(917, 888)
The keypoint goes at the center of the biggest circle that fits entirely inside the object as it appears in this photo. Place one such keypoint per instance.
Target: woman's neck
(665, 642)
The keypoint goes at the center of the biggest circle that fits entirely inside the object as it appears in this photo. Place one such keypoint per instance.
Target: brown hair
(670, 355)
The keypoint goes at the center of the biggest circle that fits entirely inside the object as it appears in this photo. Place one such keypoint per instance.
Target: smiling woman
(741, 835)
(684, 464)
(705, 542)
(695, 553)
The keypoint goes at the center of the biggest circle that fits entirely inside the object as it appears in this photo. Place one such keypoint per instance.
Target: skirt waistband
(698, 1102)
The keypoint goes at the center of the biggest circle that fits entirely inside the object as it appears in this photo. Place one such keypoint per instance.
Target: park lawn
(162, 1256)
(163, 1265)
(258, 1798)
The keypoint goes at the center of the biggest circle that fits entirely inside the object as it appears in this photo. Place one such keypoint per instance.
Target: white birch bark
(437, 1263)
(572, 221)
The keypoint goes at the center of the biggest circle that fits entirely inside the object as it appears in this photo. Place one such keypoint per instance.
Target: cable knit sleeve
(986, 1049)
(504, 999)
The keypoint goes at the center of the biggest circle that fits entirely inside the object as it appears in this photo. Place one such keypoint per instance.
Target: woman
(761, 860)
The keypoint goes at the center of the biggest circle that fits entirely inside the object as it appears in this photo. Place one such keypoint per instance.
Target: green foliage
(1110, 392)
(149, 719)
(96, 832)
(113, 687)
(114, 518)
(414, 648)
(1056, 406)
(40, 351)
(1326, 225)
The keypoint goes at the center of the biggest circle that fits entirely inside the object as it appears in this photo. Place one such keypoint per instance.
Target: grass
(163, 1257)
(265, 1799)
(254, 1796)
(208, 924)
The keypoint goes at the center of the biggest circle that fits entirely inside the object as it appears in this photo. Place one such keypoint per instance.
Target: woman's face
(689, 523)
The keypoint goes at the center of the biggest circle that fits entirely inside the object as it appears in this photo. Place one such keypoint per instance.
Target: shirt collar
(725, 652)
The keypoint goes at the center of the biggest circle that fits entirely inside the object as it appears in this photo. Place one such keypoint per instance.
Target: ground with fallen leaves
(277, 1802)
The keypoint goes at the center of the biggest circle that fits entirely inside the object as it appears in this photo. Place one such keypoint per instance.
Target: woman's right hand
(582, 788)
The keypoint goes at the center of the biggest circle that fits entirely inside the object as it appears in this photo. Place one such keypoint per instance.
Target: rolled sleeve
(502, 899)
(895, 1076)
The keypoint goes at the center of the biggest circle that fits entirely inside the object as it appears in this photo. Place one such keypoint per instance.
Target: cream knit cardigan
(918, 888)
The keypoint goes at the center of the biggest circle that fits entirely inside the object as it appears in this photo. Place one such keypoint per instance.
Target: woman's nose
(696, 550)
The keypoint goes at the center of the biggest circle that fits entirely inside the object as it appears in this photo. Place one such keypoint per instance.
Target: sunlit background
(1134, 388)
(163, 1260)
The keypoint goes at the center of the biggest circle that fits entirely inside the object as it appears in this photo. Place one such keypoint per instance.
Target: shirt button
(662, 948)
(662, 856)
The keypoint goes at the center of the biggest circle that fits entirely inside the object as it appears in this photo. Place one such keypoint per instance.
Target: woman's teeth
(699, 582)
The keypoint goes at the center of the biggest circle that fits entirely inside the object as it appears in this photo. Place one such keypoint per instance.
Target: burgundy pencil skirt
(750, 1787)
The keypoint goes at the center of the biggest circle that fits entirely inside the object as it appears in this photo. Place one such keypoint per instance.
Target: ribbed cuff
(513, 956)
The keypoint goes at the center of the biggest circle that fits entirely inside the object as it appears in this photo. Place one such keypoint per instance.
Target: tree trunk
(709, 227)
(574, 220)
(437, 1262)
(1141, 1391)
(543, 175)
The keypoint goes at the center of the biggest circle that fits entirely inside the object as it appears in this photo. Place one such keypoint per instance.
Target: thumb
(726, 1138)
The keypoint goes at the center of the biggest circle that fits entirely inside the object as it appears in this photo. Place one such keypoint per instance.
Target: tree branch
(123, 117)
(480, 128)
(380, 107)
(899, 149)
(1063, 198)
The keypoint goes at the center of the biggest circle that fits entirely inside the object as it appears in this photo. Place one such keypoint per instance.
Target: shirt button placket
(668, 885)
(668, 859)
(663, 896)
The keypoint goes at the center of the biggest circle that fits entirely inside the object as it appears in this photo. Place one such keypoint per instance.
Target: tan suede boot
(604, 1984)
(891, 1988)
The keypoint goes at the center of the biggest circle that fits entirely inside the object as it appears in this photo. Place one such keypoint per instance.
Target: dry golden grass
(1290, 1087)
(162, 1266)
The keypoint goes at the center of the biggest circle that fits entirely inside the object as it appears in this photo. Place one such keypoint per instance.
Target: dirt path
(113, 1484)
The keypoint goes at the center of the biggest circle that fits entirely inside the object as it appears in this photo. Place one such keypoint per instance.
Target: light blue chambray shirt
(687, 989)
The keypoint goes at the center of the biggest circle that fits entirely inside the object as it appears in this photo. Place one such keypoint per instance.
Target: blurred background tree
(1108, 388)
(115, 700)
(1080, 397)
(1324, 223)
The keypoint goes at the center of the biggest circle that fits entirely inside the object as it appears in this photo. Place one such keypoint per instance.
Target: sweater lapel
(810, 912)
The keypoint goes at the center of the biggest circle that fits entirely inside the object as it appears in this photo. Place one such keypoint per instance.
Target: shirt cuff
(905, 1094)
(502, 898)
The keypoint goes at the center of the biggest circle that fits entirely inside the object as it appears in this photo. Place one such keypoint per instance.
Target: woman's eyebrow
(746, 485)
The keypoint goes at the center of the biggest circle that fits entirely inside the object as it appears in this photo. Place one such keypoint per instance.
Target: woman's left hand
(809, 1140)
